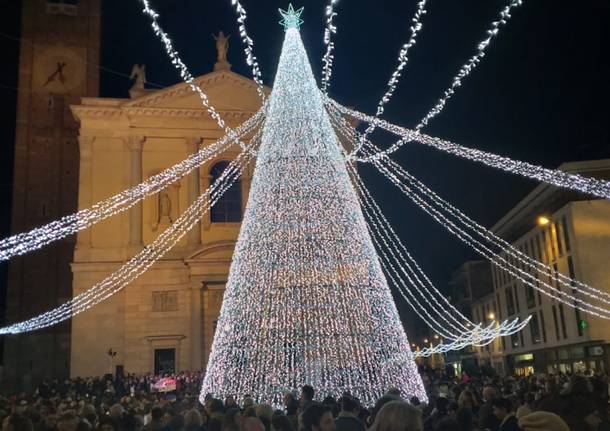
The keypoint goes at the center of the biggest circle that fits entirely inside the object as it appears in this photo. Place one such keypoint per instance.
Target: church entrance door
(165, 361)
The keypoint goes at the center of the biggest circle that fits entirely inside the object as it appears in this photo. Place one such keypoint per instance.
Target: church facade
(165, 320)
(74, 149)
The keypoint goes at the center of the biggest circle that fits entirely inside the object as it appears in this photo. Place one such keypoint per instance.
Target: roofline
(544, 191)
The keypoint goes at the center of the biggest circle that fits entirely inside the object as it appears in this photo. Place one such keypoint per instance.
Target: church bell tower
(58, 65)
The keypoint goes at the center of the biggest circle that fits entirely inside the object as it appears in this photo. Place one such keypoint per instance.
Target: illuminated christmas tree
(306, 301)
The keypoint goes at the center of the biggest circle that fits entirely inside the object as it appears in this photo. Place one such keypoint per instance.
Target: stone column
(196, 326)
(135, 213)
(206, 180)
(85, 182)
(194, 235)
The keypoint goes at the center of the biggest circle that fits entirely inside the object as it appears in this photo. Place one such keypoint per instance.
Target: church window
(228, 207)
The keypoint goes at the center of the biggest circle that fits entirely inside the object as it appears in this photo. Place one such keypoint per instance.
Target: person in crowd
(193, 421)
(252, 423)
(318, 417)
(156, 420)
(440, 412)
(379, 405)
(503, 410)
(230, 402)
(306, 400)
(69, 422)
(264, 412)
(232, 419)
(281, 422)
(17, 422)
(542, 421)
(215, 415)
(397, 415)
(487, 419)
(347, 419)
(291, 408)
(527, 405)
(106, 424)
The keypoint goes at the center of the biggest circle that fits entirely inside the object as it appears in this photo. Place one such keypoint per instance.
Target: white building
(570, 233)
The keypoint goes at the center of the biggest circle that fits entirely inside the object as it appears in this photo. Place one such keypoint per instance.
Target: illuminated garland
(185, 74)
(501, 260)
(327, 60)
(593, 186)
(142, 261)
(68, 225)
(393, 83)
(382, 232)
(465, 335)
(249, 49)
(465, 70)
(305, 273)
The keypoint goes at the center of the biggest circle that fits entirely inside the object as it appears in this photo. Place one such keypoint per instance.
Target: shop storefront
(565, 359)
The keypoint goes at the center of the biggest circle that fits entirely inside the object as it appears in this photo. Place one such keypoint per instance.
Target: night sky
(540, 94)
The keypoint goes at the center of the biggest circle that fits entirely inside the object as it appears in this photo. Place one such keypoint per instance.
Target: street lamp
(491, 316)
(542, 220)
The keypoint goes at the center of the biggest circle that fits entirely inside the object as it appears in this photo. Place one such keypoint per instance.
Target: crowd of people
(130, 403)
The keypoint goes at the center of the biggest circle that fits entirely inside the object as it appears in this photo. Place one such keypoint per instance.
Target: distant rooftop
(548, 199)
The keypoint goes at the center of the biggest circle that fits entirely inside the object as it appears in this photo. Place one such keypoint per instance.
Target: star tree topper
(291, 18)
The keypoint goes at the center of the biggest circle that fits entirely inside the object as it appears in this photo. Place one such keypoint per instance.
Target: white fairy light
(185, 74)
(327, 60)
(304, 272)
(68, 225)
(249, 49)
(514, 266)
(498, 260)
(465, 70)
(382, 231)
(141, 262)
(489, 236)
(403, 58)
(475, 336)
(592, 186)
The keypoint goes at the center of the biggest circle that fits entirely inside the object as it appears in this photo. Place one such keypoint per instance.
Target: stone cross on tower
(222, 46)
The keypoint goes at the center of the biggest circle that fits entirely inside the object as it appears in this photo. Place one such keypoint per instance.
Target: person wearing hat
(542, 421)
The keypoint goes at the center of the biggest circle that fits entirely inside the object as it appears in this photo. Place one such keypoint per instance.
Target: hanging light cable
(68, 225)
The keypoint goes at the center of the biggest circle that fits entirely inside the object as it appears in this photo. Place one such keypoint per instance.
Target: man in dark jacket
(503, 410)
(347, 420)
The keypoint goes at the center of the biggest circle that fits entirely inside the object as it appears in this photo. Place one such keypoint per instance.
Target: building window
(563, 321)
(535, 330)
(552, 243)
(543, 325)
(514, 341)
(228, 207)
(556, 276)
(510, 303)
(542, 246)
(556, 324)
(566, 234)
(516, 289)
(530, 297)
(559, 234)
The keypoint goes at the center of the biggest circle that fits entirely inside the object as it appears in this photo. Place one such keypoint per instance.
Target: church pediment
(226, 90)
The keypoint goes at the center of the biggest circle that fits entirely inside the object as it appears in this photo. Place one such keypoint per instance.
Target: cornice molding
(183, 89)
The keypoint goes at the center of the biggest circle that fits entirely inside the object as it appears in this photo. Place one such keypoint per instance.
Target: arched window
(228, 207)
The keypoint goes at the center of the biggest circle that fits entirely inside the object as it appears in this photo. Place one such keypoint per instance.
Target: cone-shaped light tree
(306, 301)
